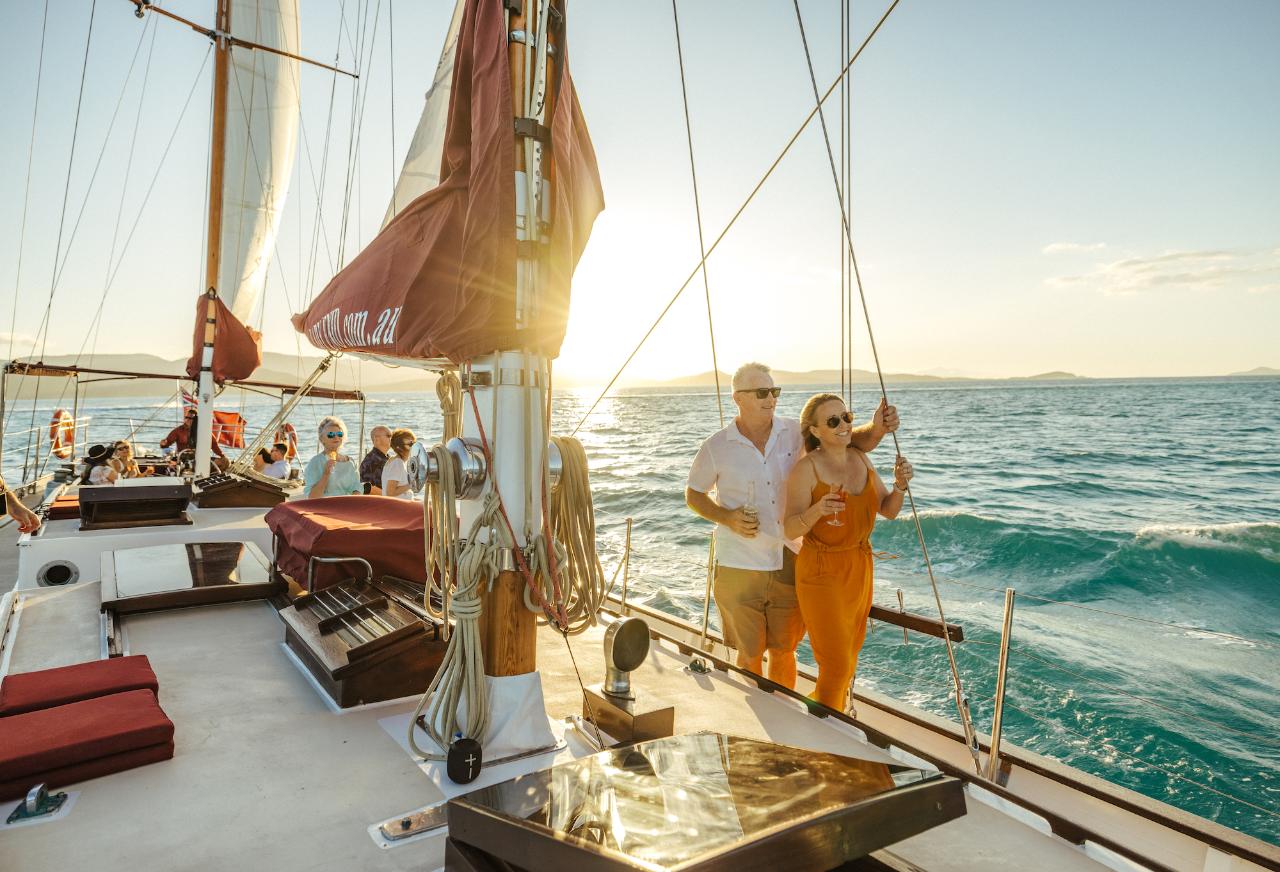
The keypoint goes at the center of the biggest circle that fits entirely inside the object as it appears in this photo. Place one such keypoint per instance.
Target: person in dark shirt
(371, 466)
(183, 438)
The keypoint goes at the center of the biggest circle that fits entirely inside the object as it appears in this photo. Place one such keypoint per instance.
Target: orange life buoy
(62, 433)
(288, 436)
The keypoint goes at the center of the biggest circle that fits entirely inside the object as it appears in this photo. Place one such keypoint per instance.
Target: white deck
(266, 775)
(65, 541)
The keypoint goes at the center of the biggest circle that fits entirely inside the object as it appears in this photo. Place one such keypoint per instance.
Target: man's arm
(736, 520)
(883, 422)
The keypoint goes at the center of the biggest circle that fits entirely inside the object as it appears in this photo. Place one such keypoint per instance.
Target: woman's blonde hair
(400, 436)
(808, 417)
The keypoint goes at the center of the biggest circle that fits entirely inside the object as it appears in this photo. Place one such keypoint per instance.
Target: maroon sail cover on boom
(439, 280)
(237, 349)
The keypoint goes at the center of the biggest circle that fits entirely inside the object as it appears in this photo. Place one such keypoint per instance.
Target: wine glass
(835, 521)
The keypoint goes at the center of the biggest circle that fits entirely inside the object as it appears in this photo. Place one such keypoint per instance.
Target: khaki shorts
(758, 607)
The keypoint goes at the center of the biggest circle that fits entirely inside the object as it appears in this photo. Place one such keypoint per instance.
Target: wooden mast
(213, 261)
(508, 630)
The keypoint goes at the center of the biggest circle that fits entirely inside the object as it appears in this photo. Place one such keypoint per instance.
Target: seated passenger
(260, 460)
(330, 474)
(123, 463)
(371, 466)
(278, 467)
(395, 474)
(97, 466)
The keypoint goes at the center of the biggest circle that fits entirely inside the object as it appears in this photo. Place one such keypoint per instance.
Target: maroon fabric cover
(237, 349)
(46, 688)
(439, 280)
(37, 744)
(17, 788)
(386, 531)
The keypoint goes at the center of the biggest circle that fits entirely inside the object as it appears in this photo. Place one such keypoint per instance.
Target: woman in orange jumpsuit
(833, 496)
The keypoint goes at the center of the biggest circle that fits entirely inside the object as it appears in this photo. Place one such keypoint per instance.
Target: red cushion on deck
(37, 744)
(30, 691)
(64, 507)
(17, 788)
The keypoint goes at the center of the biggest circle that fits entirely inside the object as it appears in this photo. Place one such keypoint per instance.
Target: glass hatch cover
(179, 566)
(678, 802)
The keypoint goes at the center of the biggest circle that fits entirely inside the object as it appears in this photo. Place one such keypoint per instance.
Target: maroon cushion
(49, 740)
(30, 691)
(17, 788)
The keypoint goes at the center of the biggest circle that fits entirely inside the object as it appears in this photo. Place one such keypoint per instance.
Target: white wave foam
(1255, 537)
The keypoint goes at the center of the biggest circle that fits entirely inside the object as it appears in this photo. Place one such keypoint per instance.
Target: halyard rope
(962, 701)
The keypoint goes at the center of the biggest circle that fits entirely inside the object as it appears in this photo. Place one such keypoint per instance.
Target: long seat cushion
(46, 688)
(82, 740)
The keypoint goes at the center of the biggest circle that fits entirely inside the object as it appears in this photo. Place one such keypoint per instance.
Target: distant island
(860, 376)
(373, 377)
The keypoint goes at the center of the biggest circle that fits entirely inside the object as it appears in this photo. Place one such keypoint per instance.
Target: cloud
(1210, 269)
(1064, 247)
(1265, 289)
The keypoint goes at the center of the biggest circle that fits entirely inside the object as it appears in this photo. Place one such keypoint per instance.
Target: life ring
(62, 434)
(288, 436)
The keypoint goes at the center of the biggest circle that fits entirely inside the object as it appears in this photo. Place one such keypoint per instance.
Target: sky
(1091, 187)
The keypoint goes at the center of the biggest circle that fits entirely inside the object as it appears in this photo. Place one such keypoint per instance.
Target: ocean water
(1138, 521)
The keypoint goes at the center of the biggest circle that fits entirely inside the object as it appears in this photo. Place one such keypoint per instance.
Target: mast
(217, 164)
(517, 407)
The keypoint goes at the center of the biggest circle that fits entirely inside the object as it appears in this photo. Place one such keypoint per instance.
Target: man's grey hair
(742, 371)
(375, 430)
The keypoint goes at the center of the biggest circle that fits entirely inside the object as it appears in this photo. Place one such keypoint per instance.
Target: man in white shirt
(279, 465)
(754, 582)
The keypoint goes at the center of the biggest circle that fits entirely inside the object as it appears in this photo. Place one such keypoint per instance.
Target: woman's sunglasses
(834, 421)
(760, 393)
(334, 434)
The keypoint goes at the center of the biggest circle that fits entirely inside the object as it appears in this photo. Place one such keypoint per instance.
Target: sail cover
(262, 130)
(439, 280)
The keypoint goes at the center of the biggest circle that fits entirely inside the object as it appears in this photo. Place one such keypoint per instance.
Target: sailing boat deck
(267, 775)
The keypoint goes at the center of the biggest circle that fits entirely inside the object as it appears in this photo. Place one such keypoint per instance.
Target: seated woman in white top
(97, 466)
(395, 474)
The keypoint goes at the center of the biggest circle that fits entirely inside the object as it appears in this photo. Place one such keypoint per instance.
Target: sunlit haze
(1091, 187)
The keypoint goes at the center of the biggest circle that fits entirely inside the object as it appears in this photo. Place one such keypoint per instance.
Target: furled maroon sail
(237, 349)
(439, 280)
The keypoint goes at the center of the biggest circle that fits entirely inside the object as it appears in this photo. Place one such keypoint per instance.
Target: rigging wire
(962, 701)
(736, 215)
(42, 334)
(697, 208)
(357, 131)
(318, 226)
(26, 189)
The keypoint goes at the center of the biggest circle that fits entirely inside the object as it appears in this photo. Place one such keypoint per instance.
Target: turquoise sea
(1138, 521)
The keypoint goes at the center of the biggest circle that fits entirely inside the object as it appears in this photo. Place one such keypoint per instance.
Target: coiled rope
(460, 677)
(573, 525)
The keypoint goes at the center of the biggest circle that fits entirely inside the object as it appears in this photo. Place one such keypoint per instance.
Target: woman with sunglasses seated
(330, 474)
(395, 474)
(833, 497)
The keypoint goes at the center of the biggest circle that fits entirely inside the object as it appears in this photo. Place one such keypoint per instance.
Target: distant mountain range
(860, 376)
(371, 377)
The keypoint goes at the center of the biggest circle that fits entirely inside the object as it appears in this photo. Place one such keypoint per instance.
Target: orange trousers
(834, 587)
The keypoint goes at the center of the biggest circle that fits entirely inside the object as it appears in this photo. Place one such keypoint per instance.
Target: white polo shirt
(727, 462)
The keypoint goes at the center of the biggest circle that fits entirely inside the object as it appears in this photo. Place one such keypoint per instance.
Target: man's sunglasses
(334, 434)
(834, 421)
(760, 393)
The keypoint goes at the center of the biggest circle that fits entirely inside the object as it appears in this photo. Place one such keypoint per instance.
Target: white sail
(262, 129)
(421, 170)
